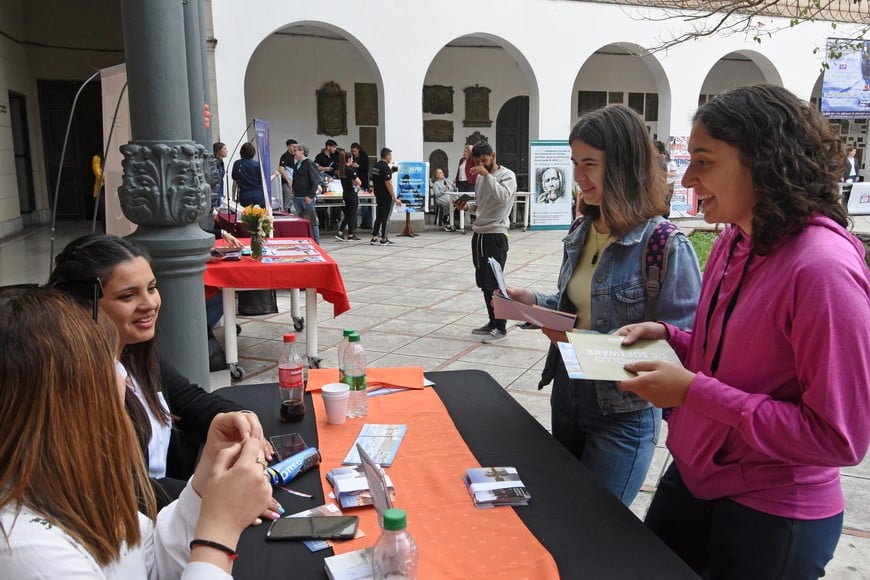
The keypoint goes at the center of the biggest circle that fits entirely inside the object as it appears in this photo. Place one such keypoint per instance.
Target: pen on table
(294, 492)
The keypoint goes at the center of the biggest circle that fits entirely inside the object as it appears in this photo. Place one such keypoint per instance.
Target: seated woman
(775, 392)
(178, 411)
(72, 476)
(440, 194)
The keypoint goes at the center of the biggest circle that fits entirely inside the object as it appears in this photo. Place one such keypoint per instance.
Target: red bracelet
(209, 544)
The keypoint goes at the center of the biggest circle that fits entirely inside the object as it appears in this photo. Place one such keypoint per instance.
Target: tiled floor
(415, 303)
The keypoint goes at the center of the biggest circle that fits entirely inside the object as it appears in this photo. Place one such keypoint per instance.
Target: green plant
(703, 243)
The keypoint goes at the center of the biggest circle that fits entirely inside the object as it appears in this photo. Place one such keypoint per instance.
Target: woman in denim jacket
(613, 432)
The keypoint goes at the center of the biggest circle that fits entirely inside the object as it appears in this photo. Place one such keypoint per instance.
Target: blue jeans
(214, 309)
(724, 539)
(307, 211)
(616, 447)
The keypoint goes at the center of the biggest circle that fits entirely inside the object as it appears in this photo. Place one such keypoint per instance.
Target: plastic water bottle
(355, 377)
(395, 553)
(290, 381)
(342, 347)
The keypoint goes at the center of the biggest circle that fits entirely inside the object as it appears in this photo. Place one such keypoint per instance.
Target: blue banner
(846, 85)
(263, 151)
(412, 184)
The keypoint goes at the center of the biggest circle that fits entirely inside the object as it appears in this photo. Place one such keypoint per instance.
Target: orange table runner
(455, 539)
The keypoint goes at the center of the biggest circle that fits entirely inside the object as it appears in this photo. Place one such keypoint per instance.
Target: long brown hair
(635, 188)
(70, 453)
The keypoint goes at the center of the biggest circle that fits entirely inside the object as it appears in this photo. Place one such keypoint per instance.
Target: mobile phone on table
(313, 528)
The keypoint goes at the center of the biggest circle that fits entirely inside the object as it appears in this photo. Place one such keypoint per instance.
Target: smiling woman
(172, 415)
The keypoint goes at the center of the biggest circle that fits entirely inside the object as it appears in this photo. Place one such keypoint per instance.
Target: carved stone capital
(164, 183)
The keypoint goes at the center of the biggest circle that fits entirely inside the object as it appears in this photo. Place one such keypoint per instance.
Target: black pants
(483, 247)
(382, 214)
(351, 202)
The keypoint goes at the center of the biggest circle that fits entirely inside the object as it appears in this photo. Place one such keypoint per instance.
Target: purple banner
(263, 150)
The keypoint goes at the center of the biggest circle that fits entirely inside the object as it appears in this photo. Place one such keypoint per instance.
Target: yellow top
(98, 174)
(579, 289)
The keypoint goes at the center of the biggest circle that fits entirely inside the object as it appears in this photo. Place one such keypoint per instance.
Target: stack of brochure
(351, 487)
(495, 486)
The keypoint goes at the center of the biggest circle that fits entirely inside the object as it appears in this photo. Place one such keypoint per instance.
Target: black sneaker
(495, 336)
(386, 241)
(484, 330)
(354, 239)
(341, 238)
(374, 242)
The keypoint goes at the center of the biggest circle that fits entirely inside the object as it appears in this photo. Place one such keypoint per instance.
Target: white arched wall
(404, 39)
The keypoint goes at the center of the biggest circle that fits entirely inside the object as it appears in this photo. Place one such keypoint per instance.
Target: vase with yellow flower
(259, 225)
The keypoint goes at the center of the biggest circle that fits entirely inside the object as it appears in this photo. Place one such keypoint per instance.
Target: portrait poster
(683, 201)
(552, 177)
(846, 84)
(412, 184)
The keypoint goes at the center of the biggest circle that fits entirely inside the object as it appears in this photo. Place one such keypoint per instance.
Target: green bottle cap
(353, 337)
(395, 519)
(348, 331)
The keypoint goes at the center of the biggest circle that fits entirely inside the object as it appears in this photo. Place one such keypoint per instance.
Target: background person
(494, 191)
(247, 180)
(73, 476)
(775, 392)
(349, 184)
(306, 182)
(178, 412)
(286, 163)
(361, 166)
(440, 191)
(385, 197)
(464, 178)
(602, 280)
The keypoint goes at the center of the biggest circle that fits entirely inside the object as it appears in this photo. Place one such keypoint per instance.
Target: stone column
(164, 189)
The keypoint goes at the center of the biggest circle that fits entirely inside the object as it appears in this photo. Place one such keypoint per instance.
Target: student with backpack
(622, 263)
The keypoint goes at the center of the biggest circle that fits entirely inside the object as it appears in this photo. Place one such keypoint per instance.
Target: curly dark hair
(793, 156)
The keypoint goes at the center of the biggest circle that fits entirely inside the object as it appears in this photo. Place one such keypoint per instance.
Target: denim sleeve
(550, 301)
(678, 297)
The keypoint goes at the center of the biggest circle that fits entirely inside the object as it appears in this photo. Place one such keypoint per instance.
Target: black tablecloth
(587, 530)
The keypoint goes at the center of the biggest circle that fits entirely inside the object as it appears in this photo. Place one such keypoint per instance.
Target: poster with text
(261, 128)
(846, 85)
(412, 184)
(683, 201)
(551, 176)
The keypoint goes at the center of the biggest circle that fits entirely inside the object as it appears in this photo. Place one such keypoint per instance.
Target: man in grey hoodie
(494, 192)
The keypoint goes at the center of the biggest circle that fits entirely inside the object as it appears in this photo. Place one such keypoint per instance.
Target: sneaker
(374, 242)
(341, 238)
(528, 326)
(449, 228)
(484, 330)
(354, 239)
(495, 336)
(385, 241)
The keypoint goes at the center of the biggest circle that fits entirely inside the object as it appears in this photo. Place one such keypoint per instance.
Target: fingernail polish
(275, 515)
(281, 509)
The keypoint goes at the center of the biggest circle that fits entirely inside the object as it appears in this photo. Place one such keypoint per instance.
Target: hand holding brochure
(603, 356)
(509, 309)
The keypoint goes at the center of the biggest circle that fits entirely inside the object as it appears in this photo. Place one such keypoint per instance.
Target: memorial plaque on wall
(437, 99)
(475, 137)
(368, 139)
(438, 131)
(331, 110)
(366, 103)
(477, 107)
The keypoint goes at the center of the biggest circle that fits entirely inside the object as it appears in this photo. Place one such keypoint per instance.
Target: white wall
(729, 74)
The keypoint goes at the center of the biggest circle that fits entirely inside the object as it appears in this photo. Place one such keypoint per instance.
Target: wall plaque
(366, 103)
(475, 137)
(477, 107)
(368, 139)
(331, 110)
(437, 99)
(438, 131)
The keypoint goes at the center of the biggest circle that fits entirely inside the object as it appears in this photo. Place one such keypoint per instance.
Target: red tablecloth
(286, 226)
(246, 273)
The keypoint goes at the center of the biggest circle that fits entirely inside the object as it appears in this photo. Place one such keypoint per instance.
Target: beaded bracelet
(208, 543)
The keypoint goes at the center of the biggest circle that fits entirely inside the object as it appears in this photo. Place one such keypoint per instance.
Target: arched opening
(512, 136)
(738, 69)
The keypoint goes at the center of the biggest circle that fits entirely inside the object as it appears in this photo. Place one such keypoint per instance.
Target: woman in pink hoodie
(775, 393)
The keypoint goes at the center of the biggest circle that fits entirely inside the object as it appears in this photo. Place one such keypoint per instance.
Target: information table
(286, 226)
(588, 531)
(322, 277)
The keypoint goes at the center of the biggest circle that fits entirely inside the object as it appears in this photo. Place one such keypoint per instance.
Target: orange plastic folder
(455, 539)
(404, 377)
(544, 317)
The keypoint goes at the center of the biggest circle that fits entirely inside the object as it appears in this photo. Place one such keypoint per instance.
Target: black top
(347, 186)
(305, 179)
(381, 173)
(323, 159)
(363, 170)
(287, 160)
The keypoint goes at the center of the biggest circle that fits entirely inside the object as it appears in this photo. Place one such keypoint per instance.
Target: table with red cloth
(286, 225)
(322, 278)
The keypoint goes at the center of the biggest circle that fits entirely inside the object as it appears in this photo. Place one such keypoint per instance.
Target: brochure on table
(602, 356)
(381, 442)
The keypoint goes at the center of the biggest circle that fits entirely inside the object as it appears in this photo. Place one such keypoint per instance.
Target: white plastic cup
(335, 397)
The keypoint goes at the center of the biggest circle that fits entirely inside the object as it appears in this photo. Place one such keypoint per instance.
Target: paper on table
(603, 356)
